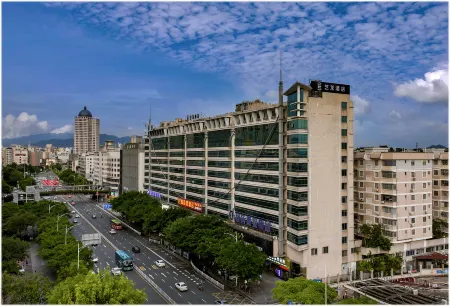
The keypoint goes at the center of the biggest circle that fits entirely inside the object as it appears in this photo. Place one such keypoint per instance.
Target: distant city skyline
(119, 59)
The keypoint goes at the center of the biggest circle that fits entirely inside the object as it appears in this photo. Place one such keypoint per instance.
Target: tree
(438, 228)
(25, 289)
(27, 181)
(303, 291)
(101, 288)
(13, 250)
(17, 224)
(6, 189)
(241, 259)
(381, 262)
(72, 270)
(158, 219)
(374, 238)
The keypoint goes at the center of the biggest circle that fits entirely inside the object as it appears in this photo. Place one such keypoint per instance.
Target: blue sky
(182, 58)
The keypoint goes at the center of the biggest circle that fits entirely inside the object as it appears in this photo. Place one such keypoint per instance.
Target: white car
(73, 211)
(116, 271)
(181, 286)
(160, 263)
(21, 270)
(75, 221)
(95, 259)
(77, 216)
(112, 231)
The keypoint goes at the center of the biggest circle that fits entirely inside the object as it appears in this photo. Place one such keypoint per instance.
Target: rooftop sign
(330, 87)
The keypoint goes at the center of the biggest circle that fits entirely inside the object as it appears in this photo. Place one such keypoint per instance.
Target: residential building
(34, 157)
(440, 185)
(20, 156)
(132, 169)
(86, 133)
(136, 139)
(394, 189)
(106, 167)
(291, 186)
(7, 156)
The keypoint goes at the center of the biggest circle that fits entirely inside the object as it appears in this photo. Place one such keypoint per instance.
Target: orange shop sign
(190, 204)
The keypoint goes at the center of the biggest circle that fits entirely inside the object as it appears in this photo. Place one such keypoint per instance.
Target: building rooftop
(84, 113)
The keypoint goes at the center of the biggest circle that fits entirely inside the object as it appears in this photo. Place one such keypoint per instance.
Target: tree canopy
(14, 175)
(374, 238)
(302, 291)
(25, 289)
(13, 250)
(91, 288)
(439, 225)
(381, 262)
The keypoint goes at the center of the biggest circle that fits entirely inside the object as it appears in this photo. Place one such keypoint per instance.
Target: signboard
(255, 223)
(330, 87)
(107, 206)
(154, 194)
(317, 280)
(279, 261)
(190, 204)
(91, 239)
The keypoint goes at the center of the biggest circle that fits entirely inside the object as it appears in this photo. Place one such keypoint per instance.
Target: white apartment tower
(86, 136)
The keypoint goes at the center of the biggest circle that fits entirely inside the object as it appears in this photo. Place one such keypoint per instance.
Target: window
(344, 172)
(344, 253)
(298, 124)
(295, 167)
(195, 140)
(436, 172)
(424, 230)
(413, 197)
(297, 210)
(344, 226)
(376, 174)
(343, 159)
(344, 105)
(377, 197)
(298, 240)
(325, 250)
(344, 213)
(257, 135)
(413, 220)
(376, 208)
(376, 163)
(436, 193)
(298, 139)
(344, 146)
(435, 183)
(361, 184)
(344, 132)
(412, 163)
(314, 251)
(344, 186)
(413, 209)
(413, 232)
(297, 181)
(424, 219)
(297, 153)
(424, 196)
(344, 240)
(361, 206)
(424, 185)
(344, 119)
(344, 200)
(361, 173)
(361, 162)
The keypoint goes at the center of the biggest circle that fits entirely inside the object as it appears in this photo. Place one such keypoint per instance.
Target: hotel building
(285, 166)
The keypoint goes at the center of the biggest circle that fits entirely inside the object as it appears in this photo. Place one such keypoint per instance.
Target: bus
(116, 224)
(124, 261)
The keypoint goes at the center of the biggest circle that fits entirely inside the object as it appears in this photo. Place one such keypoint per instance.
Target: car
(73, 203)
(135, 249)
(112, 231)
(77, 216)
(70, 196)
(116, 271)
(73, 211)
(160, 263)
(21, 270)
(181, 286)
(94, 217)
(221, 302)
(54, 198)
(95, 259)
(75, 221)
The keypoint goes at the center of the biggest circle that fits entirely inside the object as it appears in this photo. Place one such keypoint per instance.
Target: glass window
(297, 153)
(177, 154)
(263, 178)
(292, 97)
(257, 135)
(258, 190)
(198, 163)
(159, 143)
(219, 164)
(297, 225)
(343, 159)
(301, 94)
(195, 190)
(344, 240)
(267, 153)
(344, 119)
(344, 172)
(344, 146)
(292, 108)
(257, 202)
(297, 210)
(172, 177)
(217, 184)
(219, 195)
(297, 167)
(260, 215)
(344, 132)
(176, 170)
(195, 153)
(219, 139)
(193, 180)
(219, 153)
(256, 166)
(297, 139)
(344, 226)
(177, 142)
(195, 140)
(218, 205)
(298, 181)
(298, 240)
(298, 124)
(344, 213)
(344, 105)
(297, 196)
(176, 162)
(195, 172)
(218, 174)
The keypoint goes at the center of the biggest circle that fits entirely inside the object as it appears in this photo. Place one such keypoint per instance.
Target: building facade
(20, 156)
(7, 156)
(86, 134)
(286, 172)
(440, 185)
(132, 169)
(106, 167)
(394, 189)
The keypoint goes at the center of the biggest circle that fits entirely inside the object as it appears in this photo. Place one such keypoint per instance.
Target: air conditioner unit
(376, 190)
(382, 202)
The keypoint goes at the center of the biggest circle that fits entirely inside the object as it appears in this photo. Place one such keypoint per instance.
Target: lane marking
(179, 294)
(171, 287)
(154, 253)
(175, 273)
(163, 274)
(193, 292)
(151, 276)
(163, 279)
(204, 301)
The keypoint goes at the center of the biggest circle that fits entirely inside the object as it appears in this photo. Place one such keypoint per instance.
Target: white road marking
(179, 294)
(107, 263)
(151, 276)
(189, 303)
(171, 287)
(163, 274)
(175, 273)
(203, 300)
(154, 253)
(163, 280)
(148, 257)
(193, 292)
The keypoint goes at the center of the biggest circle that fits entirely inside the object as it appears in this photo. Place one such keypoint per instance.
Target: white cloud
(394, 115)
(130, 128)
(65, 129)
(433, 88)
(22, 125)
(361, 106)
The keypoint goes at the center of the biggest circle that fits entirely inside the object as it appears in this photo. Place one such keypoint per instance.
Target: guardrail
(160, 291)
(127, 225)
(210, 279)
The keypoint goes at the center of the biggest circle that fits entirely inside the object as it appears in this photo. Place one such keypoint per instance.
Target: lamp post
(67, 230)
(57, 221)
(236, 242)
(78, 261)
(50, 207)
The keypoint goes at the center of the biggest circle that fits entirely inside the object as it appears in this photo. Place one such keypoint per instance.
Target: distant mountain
(439, 146)
(58, 140)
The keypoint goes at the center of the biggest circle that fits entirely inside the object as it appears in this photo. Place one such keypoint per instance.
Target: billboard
(190, 204)
(330, 87)
(154, 194)
(91, 239)
(255, 223)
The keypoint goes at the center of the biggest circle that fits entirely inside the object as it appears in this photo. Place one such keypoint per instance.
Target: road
(175, 270)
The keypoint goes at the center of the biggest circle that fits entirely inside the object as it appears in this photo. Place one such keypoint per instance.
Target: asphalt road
(175, 270)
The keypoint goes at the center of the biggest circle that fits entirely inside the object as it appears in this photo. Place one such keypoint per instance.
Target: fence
(159, 290)
(210, 279)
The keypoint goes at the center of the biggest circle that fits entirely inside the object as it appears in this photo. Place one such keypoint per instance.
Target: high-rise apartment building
(394, 189)
(106, 166)
(440, 185)
(7, 156)
(20, 156)
(292, 187)
(86, 135)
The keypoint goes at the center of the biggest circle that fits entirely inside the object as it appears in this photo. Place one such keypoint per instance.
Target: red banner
(190, 204)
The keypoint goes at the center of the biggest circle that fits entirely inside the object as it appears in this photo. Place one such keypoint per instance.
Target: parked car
(77, 216)
(75, 221)
(95, 259)
(135, 249)
(160, 263)
(73, 211)
(112, 231)
(70, 196)
(116, 271)
(181, 286)
(94, 217)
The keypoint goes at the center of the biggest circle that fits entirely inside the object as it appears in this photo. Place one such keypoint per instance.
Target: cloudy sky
(182, 58)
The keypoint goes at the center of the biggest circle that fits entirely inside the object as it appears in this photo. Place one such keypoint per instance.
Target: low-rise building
(20, 156)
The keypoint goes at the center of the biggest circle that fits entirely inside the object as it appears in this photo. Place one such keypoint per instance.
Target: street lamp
(57, 221)
(50, 207)
(78, 261)
(67, 230)
(236, 242)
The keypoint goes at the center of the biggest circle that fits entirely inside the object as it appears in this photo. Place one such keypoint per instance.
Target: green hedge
(46, 193)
